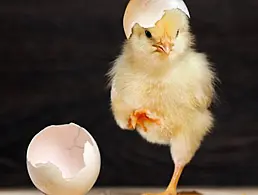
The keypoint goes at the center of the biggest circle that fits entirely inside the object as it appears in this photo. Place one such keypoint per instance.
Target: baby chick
(162, 87)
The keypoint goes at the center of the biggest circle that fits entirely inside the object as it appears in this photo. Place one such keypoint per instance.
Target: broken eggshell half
(147, 12)
(63, 160)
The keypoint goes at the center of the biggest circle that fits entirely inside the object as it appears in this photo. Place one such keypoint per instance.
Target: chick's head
(169, 38)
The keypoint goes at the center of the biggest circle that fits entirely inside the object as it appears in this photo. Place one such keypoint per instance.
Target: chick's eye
(177, 33)
(148, 34)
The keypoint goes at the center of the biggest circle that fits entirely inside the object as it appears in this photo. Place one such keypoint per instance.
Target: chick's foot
(162, 193)
(189, 193)
(174, 193)
(139, 117)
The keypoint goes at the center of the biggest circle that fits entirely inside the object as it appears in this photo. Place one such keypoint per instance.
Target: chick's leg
(183, 147)
(140, 117)
(171, 189)
(120, 111)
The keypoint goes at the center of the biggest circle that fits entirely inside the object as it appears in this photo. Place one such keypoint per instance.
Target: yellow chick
(162, 87)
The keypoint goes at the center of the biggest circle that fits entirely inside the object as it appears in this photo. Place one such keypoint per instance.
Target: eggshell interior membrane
(147, 12)
(63, 159)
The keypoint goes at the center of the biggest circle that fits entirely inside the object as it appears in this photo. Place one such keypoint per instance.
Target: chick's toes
(189, 193)
(132, 122)
(161, 193)
(174, 193)
(140, 116)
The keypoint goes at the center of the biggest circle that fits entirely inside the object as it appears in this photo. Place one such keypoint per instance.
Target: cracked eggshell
(63, 160)
(147, 12)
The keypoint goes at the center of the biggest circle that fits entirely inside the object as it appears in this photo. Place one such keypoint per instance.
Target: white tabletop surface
(136, 191)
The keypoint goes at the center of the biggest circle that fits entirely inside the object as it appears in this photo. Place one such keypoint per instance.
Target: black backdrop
(54, 56)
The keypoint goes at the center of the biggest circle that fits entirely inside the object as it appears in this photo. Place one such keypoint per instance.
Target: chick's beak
(165, 47)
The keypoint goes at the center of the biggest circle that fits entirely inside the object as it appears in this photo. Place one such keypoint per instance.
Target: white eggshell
(147, 12)
(63, 160)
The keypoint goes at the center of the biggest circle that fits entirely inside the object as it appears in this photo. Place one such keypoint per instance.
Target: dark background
(54, 57)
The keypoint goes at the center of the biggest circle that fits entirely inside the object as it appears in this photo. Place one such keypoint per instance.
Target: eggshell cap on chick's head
(147, 12)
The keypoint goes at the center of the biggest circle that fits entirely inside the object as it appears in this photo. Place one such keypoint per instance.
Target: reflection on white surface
(138, 191)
